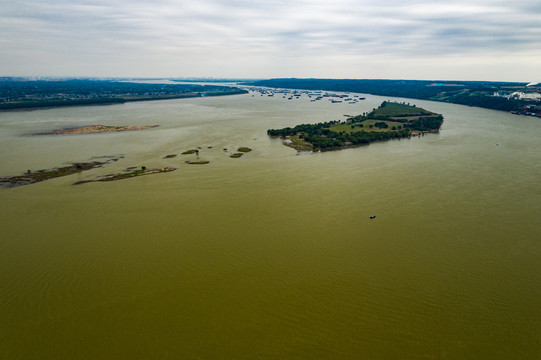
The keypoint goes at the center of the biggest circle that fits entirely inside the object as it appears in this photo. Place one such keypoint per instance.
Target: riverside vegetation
(389, 121)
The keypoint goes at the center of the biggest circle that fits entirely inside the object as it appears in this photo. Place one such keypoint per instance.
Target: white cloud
(341, 38)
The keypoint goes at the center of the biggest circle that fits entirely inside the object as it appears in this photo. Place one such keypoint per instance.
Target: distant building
(526, 96)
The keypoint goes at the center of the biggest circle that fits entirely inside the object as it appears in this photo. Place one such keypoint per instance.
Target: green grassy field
(392, 109)
(367, 125)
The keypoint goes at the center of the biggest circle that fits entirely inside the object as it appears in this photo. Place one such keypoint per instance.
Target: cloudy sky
(395, 39)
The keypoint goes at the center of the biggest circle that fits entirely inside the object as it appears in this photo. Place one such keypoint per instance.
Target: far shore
(40, 104)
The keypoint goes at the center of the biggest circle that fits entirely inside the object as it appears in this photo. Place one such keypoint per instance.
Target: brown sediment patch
(92, 129)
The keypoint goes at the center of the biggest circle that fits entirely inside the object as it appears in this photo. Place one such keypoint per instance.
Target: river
(272, 255)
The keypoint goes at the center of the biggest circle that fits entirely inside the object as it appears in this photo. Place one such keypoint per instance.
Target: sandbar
(92, 129)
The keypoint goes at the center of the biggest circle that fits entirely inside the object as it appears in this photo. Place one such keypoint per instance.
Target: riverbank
(24, 105)
(30, 94)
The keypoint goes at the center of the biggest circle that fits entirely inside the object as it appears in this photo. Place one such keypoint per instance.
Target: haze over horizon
(458, 40)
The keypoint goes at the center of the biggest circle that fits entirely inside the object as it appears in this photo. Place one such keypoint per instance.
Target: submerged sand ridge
(92, 129)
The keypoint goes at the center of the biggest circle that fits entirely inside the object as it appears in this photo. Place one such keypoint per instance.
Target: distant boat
(373, 217)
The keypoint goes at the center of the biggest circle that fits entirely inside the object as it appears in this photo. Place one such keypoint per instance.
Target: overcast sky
(392, 39)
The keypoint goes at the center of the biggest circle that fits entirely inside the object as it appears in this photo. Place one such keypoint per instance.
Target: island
(196, 152)
(198, 162)
(240, 151)
(92, 129)
(31, 177)
(389, 121)
(189, 152)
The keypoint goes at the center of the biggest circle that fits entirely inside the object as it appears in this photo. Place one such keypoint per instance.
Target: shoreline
(350, 145)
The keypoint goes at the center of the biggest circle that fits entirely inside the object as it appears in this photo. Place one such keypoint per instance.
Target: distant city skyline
(487, 40)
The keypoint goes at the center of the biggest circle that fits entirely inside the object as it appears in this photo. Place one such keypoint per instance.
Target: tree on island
(336, 134)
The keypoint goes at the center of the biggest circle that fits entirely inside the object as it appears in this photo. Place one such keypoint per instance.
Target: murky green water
(273, 255)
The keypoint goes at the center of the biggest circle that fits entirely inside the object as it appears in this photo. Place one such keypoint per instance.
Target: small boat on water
(373, 217)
